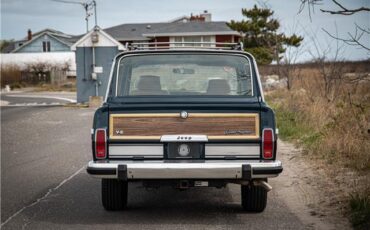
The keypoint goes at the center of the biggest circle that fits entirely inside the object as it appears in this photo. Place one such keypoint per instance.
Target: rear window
(184, 74)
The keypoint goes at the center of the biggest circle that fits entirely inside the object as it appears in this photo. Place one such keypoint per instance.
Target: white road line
(43, 197)
(3, 103)
(32, 104)
(47, 97)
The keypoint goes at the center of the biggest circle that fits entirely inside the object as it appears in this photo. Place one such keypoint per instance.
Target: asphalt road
(44, 151)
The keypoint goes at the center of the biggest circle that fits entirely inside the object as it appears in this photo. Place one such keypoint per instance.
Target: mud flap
(122, 172)
(246, 172)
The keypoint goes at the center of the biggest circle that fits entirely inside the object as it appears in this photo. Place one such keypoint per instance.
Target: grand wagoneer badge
(237, 132)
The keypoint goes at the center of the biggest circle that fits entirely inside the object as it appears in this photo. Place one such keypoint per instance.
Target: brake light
(100, 143)
(268, 143)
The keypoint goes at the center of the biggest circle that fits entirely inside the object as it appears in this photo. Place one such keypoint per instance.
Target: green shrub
(360, 211)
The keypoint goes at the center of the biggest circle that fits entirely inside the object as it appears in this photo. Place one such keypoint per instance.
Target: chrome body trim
(161, 169)
(232, 150)
(110, 77)
(258, 77)
(135, 150)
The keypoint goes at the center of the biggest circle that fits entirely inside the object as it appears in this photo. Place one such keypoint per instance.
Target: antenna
(88, 6)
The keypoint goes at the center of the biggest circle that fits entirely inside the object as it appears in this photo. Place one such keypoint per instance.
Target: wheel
(114, 194)
(254, 198)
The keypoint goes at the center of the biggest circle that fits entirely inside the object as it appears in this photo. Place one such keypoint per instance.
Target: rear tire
(114, 194)
(254, 198)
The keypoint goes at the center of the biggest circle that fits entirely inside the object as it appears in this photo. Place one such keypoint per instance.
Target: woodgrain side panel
(153, 126)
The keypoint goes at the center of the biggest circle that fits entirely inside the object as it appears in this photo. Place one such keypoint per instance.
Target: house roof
(9, 48)
(48, 30)
(134, 31)
(104, 40)
(143, 31)
(180, 19)
(66, 39)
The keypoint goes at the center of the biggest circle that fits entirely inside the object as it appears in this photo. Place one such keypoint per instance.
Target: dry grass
(10, 75)
(336, 123)
(327, 112)
(69, 86)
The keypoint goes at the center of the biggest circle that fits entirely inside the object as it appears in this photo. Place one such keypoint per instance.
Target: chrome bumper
(208, 169)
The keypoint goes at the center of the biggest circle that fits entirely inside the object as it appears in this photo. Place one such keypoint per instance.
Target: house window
(46, 46)
(178, 39)
(192, 39)
(207, 39)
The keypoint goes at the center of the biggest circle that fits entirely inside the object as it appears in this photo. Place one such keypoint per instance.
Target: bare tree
(355, 38)
(287, 67)
(330, 68)
(310, 4)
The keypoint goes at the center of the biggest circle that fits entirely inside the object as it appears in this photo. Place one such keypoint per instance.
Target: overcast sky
(17, 16)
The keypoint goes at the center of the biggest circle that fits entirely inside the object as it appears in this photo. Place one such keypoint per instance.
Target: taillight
(268, 143)
(100, 143)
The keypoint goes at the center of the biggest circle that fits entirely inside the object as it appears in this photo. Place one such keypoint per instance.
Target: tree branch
(346, 11)
(354, 39)
(343, 10)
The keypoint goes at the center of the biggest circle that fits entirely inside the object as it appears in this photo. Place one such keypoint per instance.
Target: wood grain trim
(211, 137)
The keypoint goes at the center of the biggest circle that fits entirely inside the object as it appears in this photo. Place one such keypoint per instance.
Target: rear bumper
(208, 169)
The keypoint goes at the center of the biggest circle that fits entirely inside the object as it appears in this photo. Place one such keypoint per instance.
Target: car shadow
(79, 202)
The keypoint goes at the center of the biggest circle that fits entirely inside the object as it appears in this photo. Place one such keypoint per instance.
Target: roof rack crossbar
(200, 43)
(182, 45)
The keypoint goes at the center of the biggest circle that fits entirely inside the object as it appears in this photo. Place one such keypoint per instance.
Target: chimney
(207, 16)
(197, 18)
(29, 35)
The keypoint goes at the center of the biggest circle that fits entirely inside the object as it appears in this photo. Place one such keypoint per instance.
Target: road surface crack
(41, 199)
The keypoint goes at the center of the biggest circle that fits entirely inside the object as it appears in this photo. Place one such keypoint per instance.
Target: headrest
(218, 87)
(149, 83)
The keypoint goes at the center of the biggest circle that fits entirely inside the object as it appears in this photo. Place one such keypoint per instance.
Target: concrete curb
(76, 105)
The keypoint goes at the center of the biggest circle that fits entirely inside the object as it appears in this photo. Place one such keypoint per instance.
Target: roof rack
(184, 45)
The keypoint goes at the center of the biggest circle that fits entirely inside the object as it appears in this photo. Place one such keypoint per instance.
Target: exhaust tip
(263, 184)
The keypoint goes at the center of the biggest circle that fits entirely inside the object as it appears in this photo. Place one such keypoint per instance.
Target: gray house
(47, 40)
(94, 58)
(95, 51)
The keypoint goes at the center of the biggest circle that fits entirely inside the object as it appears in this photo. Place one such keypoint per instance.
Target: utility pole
(88, 6)
(96, 15)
